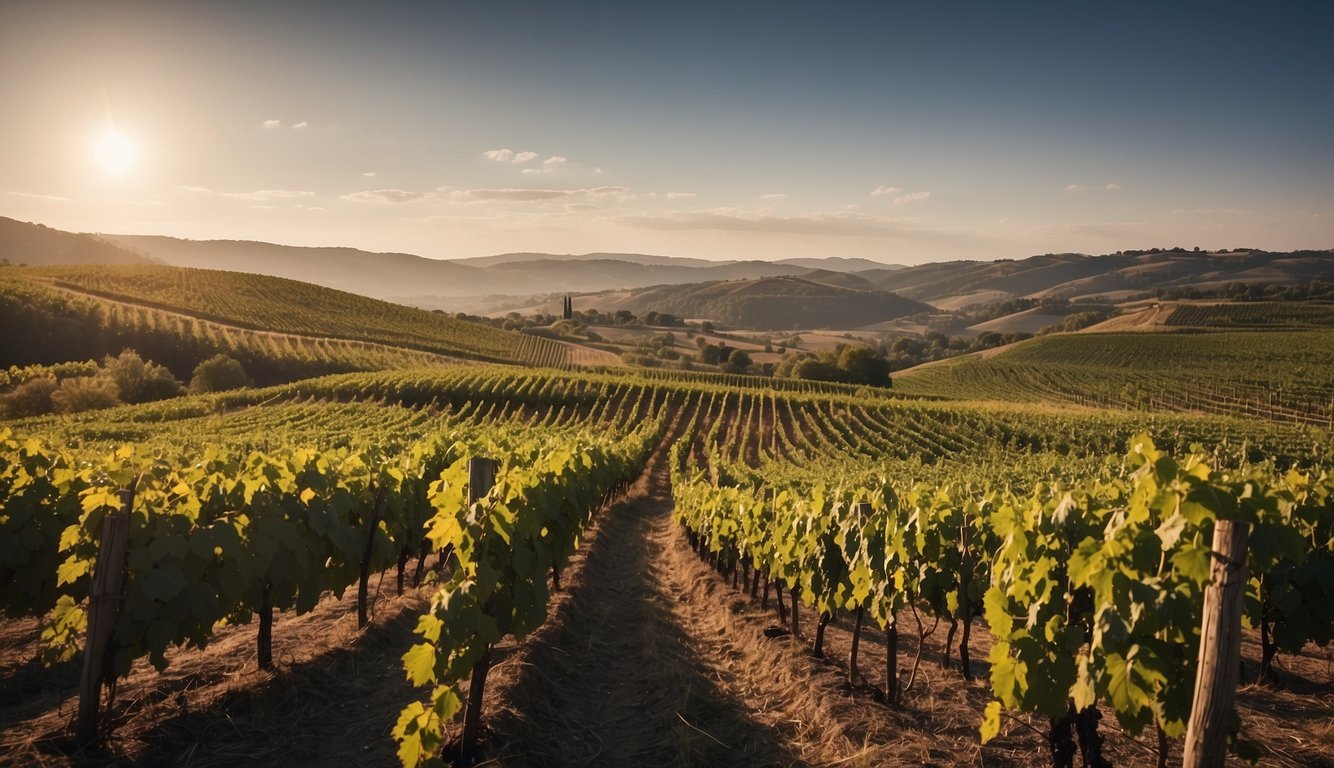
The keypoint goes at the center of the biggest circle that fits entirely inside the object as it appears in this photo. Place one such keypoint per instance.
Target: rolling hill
(956, 284)
(771, 303)
(61, 313)
(37, 245)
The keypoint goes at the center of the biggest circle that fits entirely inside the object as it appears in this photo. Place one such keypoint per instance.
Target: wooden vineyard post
(481, 477)
(965, 605)
(104, 600)
(1220, 648)
(363, 583)
(265, 639)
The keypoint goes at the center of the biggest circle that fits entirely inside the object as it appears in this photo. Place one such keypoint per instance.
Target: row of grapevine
(1091, 581)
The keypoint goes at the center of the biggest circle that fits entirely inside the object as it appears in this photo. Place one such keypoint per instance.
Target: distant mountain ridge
(952, 284)
(448, 284)
(391, 275)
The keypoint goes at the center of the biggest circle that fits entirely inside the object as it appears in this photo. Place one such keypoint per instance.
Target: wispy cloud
(679, 195)
(815, 224)
(257, 196)
(301, 126)
(883, 190)
(369, 174)
(511, 195)
(37, 196)
(1079, 189)
(523, 157)
(554, 160)
(528, 195)
(912, 197)
(272, 124)
(393, 196)
(266, 195)
(773, 196)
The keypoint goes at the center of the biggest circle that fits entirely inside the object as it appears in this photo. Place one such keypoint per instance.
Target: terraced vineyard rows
(1281, 377)
(226, 303)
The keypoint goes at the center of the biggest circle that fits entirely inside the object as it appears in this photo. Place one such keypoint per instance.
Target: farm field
(708, 492)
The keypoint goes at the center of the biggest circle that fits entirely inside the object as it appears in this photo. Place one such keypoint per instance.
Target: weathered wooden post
(481, 478)
(1220, 648)
(104, 600)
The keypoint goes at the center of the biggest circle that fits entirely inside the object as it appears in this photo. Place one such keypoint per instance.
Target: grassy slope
(1287, 375)
(287, 306)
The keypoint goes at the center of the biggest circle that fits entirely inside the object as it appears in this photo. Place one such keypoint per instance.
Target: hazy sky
(903, 132)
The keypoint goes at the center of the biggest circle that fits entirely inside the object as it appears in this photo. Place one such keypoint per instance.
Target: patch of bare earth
(331, 699)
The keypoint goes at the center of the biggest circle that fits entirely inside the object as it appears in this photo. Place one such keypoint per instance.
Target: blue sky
(903, 132)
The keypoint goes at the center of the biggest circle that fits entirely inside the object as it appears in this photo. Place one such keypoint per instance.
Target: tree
(138, 380)
(863, 366)
(738, 361)
(218, 373)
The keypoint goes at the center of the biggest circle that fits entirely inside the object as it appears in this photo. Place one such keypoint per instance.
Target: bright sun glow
(114, 153)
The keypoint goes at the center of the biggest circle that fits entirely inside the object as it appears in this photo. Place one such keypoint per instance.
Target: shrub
(218, 373)
(85, 393)
(31, 398)
(140, 381)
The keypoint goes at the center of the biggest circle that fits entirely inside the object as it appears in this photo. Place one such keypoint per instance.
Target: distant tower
(568, 312)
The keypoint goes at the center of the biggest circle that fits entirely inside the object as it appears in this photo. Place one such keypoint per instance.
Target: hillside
(261, 303)
(37, 245)
(432, 282)
(956, 284)
(1280, 375)
(775, 303)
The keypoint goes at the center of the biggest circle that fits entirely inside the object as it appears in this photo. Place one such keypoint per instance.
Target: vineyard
(985, 582)
(1275, 376)
(301, 329)
(1284, 315)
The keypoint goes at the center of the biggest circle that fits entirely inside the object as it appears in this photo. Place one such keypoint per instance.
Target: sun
(114, 153)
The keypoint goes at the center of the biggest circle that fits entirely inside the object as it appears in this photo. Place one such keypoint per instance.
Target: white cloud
(911, 197)
(528, 195)
(554, 160)
(369, 174)
(883, 190)
(257, 196)
(1076, 188)
(680, 195)
(271, 124)
(511, 195)
(773, 196)
(1113, 187)
(499, 155)
(301, 126)
(536, 171)
(387, 196)
(266, 195)
(523, 157)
